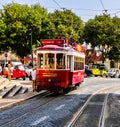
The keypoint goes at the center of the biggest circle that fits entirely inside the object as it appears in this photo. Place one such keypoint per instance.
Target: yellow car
(99, 70)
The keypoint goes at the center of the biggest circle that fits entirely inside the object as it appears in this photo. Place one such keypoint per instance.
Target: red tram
(60, 65)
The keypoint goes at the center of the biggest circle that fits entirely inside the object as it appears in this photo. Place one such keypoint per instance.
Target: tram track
(80, 118)
(49, 110)
(102, 116)
(34, 104)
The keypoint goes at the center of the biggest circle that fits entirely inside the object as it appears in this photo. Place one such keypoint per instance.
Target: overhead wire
(57, 3)
(115, 13)
(103, 6)
(104, 9)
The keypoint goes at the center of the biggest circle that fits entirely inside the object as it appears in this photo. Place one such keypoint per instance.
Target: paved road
(8, 101)
(57, 112)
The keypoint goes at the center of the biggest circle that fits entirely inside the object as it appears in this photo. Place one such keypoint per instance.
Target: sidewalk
(9, 102)
(20, 97)
(3, 82)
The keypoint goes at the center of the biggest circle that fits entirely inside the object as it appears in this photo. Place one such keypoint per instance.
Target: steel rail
(80, 111)
(45, 94)
(104, 108)
(102, 116)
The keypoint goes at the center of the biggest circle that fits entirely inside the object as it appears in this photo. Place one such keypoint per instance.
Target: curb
(19, 101)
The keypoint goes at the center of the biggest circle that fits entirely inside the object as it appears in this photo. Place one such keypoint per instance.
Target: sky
(85, 9)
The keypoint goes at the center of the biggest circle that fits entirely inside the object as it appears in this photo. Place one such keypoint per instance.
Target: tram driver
(51, 63)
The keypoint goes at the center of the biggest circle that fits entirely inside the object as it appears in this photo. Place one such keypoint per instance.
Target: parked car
(88, 72)
(99, 70)
(28, 72)
(113, 73)
(13, 65)
(19, 71)
(5, 68)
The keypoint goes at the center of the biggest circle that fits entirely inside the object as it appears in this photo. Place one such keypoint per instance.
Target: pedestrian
(9, 70)
(33, 74)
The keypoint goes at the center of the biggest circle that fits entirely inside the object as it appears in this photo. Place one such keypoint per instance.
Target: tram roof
(52, 47)
(56, 48)
(58, 45)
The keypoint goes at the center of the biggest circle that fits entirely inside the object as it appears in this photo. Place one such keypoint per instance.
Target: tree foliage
(101, 33)
(114, 53)
(23, 26)
(2, 34)
(66, 24)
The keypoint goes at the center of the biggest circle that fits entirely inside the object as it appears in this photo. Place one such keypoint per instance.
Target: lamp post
(31, 49)
(6, 55)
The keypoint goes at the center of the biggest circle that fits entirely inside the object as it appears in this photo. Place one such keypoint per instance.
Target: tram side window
(49, 61)
(75, 63)
(40, 61)
(60, 61)
(78, 63)
(81, 63)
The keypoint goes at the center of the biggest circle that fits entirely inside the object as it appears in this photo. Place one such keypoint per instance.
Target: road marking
(58, 108)
(39, 120)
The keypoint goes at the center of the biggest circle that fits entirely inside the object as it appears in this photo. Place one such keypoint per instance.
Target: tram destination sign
(52, 41)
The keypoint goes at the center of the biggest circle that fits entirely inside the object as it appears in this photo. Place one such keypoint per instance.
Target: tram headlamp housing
(49, 80)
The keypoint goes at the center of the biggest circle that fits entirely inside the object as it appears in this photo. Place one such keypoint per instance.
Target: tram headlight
(49, 80)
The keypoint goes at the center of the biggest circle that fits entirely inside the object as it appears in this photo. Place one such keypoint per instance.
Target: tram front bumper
(49, 84)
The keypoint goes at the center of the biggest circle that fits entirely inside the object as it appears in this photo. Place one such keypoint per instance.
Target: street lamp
(31, 48)
(6, 55)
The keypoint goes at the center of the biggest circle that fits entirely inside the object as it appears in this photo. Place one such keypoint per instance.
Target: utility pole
(31, 49)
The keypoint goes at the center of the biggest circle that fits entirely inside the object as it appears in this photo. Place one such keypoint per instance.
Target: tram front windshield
(51, 61)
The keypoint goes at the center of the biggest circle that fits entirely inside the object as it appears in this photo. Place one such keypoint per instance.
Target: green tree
(2, 35)
(23, 26)
(114, 53)
(101, 33)
(66, 24)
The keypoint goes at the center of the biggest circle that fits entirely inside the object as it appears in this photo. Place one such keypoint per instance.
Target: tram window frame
(68, 61)
(78, 63)
(49, 61)
(40, 60)
(60, 60)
